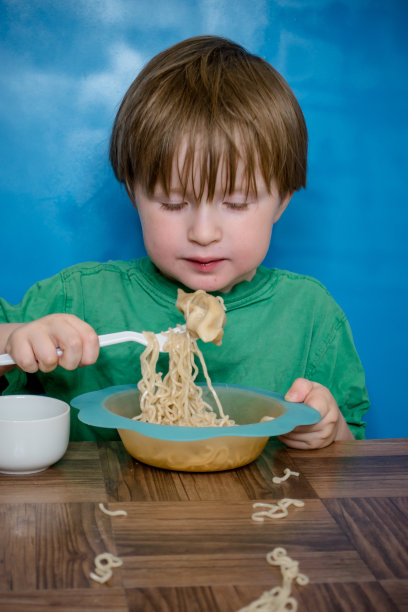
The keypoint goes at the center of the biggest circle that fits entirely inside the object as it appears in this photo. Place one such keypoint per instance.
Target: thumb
(299, 390)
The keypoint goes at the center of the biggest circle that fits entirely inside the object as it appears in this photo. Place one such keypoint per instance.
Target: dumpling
(204, 314)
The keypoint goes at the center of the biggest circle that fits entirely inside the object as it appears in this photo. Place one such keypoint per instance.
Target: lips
(205, 265)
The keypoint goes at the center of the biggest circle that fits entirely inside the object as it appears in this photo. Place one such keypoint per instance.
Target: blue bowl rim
(92, 411)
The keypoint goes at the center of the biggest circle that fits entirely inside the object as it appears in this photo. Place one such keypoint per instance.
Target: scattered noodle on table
(287, 473)
(275, 511)
(112, 512)
(279, 598)
(103, 567)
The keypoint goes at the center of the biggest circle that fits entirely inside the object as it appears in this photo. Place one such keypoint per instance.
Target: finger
(306, 442)
(33, 346)
(318, 435)
(24, 357)
(89, 341)
(21, 349)
(91, 348)
(66, 335)
(302, 430)
(70, 344)
(35, 353)
(318, 398)
(79, 343)
(299, 390)
(76, 339)
(303, 443)
(44, 349)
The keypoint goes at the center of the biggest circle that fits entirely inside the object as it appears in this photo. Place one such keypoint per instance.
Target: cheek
(256, 235)
(159, 235)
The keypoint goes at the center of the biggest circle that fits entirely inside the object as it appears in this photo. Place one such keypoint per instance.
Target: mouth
(205, 265)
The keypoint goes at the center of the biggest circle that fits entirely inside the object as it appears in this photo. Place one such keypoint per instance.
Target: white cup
(34, 432)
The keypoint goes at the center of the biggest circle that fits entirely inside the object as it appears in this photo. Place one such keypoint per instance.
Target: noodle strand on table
(112, 512)
(103, 567)
(287, 473)
(279, 598)
(275, 511)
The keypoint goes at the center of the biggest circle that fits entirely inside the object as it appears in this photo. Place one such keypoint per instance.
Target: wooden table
(189, 544)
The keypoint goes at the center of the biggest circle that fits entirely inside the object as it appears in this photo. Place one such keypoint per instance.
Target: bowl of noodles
(172, 422)
(257, 415)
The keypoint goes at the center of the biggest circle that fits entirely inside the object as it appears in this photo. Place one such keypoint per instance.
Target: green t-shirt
(280, 326)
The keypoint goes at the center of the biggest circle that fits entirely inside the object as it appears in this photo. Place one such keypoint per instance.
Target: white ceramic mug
(34, 432)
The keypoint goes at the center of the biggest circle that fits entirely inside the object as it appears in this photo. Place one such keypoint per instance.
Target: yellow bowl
(210, 454)
(196, 449)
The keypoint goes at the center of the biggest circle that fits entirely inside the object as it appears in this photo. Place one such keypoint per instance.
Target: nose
(204, 226)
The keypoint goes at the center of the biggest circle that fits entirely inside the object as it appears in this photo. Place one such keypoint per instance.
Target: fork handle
(104, 340)
(124, 336)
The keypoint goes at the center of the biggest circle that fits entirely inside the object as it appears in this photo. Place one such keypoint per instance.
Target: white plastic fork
(115, 338)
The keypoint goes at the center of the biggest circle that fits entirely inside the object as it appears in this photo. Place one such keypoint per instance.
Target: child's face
(209, 245)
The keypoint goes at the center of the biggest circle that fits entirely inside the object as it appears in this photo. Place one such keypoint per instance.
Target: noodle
(287, 474)
(278, 510)
(112, 512)
(103, 567)
(278, 599)
(176, 399)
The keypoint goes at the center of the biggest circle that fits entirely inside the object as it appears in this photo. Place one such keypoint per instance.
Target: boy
(210, 144)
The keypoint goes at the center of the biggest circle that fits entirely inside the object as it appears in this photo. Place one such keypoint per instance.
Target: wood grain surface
(188, 543)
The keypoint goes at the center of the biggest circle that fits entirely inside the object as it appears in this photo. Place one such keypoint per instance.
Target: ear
(282, 206)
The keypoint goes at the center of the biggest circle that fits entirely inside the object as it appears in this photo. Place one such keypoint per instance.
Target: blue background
(64, 67)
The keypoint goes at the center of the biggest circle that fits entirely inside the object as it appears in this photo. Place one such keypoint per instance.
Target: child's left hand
(332, 425)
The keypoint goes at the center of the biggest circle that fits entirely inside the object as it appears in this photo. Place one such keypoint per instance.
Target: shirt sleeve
(45, 297)
(339, 369)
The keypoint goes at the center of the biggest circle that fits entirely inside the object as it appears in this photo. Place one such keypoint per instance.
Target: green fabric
(280, 326)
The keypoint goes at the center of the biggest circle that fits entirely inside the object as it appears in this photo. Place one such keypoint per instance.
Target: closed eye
(173, 205)
(237, 205)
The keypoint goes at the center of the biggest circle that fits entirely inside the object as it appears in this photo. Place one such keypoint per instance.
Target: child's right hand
(33, 346)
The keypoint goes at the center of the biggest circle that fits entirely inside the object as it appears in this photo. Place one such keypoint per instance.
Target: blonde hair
(211, 91)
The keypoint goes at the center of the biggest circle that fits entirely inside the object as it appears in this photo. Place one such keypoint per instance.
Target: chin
(205, 284)
(211, 286)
